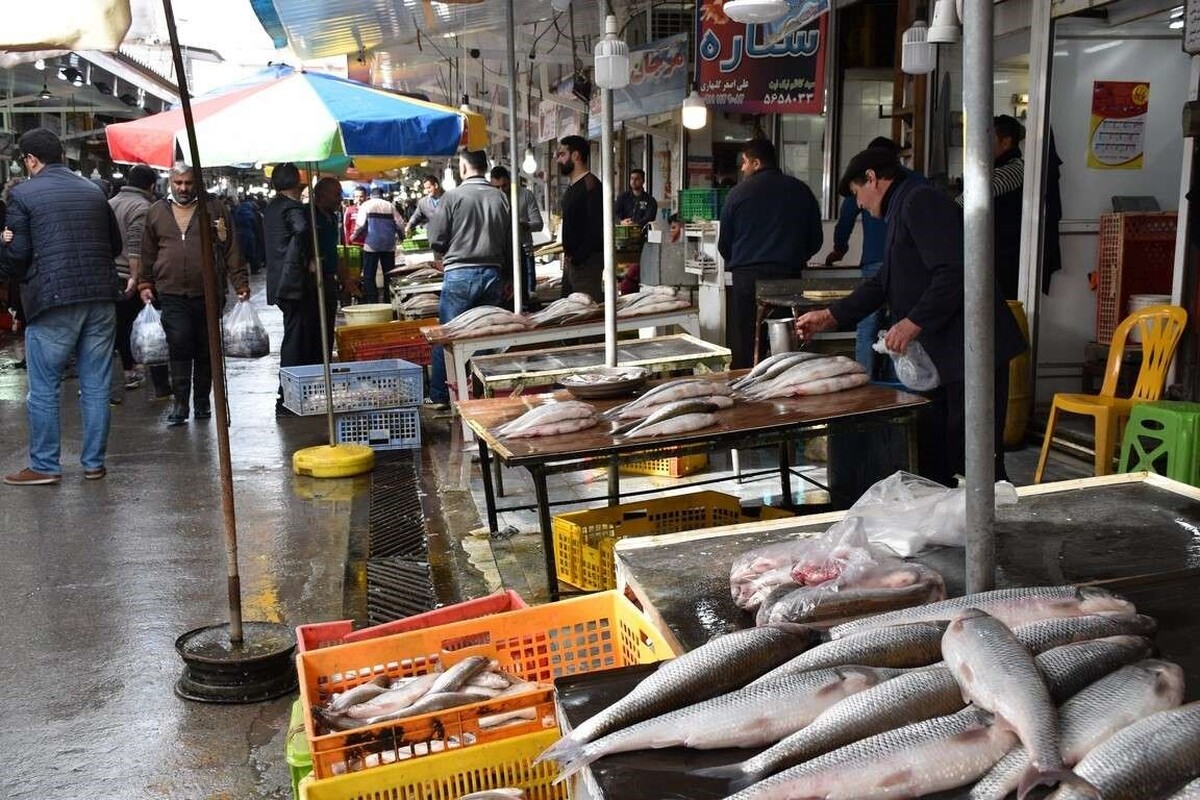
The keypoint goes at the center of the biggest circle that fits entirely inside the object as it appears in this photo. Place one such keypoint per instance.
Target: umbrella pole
(216, 359)
(312, 210)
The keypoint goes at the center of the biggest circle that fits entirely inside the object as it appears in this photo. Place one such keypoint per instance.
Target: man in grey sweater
(471, 232)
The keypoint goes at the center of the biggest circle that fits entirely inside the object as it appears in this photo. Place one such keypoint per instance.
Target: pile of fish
(552, 419)
(673, 419)
(799, 375)
(1006, 690)
(420, 276)
(714, 392)
(485, 320)
(421, 304)
(650, 300)
(572, 307)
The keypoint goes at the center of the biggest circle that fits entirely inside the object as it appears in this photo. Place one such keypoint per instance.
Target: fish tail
(561, 752)
(1036, 777)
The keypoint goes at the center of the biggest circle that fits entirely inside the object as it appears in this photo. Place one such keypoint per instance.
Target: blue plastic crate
(388, 429)
(357, 386)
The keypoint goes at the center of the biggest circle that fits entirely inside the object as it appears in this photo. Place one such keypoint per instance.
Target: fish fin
(1035, 777)
(735, 772)
(561, 751)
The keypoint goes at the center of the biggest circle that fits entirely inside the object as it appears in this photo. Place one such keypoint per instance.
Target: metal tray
(631, 379)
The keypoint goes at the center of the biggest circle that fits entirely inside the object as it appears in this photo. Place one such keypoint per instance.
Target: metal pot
(781, 334)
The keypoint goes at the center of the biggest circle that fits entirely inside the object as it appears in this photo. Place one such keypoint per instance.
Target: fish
(726, 663)
(770, 367)
(998, 673)
(549, 413)
(483, 316)
(557, 428)
(831, 385)
(1071, 667)
(1189, 792)
(922, 758)
(1044, 634)
(786, 382)
(683, 423)
(428, 703)
(1011, 606)
(915, 645)
(1092, 716)
(573, 305)
(813, 605)
(402, 696)
(460, 674)
(505, 793)
(913, 696)
(664, 393)
(359, 694)
(641, 412)
(492, 679)
(505, 717)
(757, 715)
(1151, 758)
(667, 412)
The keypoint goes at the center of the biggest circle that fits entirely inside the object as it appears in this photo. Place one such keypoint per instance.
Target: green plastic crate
(701, 204)
(299, 757)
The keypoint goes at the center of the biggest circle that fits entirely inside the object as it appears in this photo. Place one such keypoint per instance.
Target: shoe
(28, 477)
(20, 364)
(178, 415)
(113, 400)
(436, 405)
(133, 382)
(94, 474)
(202, 413)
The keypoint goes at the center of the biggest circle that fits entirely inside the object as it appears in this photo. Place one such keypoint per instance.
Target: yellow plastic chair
(1161, 327)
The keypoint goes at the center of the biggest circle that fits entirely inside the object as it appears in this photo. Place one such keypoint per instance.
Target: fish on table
(915, 645)
(564, 416)
(682, 416)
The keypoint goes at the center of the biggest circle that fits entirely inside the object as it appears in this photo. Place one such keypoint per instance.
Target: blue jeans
(868, 329)
(463, 288)
(88, 330)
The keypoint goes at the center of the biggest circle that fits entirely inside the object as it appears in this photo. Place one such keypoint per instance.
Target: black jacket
(1007, 190)
(287, 237)
(64, 241)
(583, 219)
(770, 218)
(922, 279)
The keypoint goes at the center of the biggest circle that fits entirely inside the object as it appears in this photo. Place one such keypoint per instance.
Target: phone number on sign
(787, 98)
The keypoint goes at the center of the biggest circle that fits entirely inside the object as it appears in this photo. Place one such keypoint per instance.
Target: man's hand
(627, 221)
(900, 334)
(814, 322)
(244, 294)
(7, 236)
(147, 296)
(130, 285)
(834, 256)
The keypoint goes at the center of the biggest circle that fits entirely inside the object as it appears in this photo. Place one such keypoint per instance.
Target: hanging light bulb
(529, 163)
(695, 113)
(40, 64)
(945, 28)
(612, 58)
(755, 11)
(448, 181)
(918, 54)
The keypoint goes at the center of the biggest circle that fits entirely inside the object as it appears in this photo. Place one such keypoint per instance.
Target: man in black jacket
(582, 222)
(59, 242)
(922, 284)
(1008, 184)
(770, 228)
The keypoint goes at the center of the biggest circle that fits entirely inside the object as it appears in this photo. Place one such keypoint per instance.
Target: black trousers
(942, 431)
(186, 326)
(301, 331)
(585, 276)
(741, 309)
(127, 310)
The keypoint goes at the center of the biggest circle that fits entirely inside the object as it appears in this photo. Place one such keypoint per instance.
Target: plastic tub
(1139, 301)
(368, 314)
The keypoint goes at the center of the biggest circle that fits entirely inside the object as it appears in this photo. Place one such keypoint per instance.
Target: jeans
(528, 273)
(868, 329)
(88, 331)
(371, 262)
(463, 288)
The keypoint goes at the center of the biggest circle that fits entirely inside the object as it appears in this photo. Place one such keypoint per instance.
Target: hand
(147, 296)
(7, 236)
(814, 322)
(130, 285)
(627, 221)
(243, 295)
(900, 334)
(834, 256)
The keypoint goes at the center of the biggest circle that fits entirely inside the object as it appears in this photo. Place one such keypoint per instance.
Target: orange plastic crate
(399, 332)
(1135, 254)
(576, 636)
(416, 351)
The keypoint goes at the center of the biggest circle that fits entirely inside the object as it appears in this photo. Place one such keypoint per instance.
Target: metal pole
(610, 253)
(312, 213)
(513, 164)
(979, 295)
(212, 296)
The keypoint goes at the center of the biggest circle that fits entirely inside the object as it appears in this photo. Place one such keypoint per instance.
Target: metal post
(979, 294)
(610, 253)
(316, 244)
(513, 164)
(212, 296)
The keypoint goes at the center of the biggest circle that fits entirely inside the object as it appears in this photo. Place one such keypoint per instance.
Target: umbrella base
(333, 461)
(216, 670)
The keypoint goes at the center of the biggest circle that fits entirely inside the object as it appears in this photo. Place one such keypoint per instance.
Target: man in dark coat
(922, 284)
(582, 232)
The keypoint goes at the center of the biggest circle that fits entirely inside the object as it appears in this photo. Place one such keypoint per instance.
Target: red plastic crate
(1135, 255)
(316, 635)
(415, 351)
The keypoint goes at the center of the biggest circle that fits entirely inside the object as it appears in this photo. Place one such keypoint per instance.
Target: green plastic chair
(1163, 437)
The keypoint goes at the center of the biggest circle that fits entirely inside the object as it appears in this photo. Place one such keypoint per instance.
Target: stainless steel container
(781, 335)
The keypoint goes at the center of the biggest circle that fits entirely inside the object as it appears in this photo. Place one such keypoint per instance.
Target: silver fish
(926, 757)
(751, 717)
(997, 673)
(915, 645)
(547, 414)
(916, 695)
(802, 372)
(359, 694)
(1092, 716)
(681, 423)
(496, 794)
(797, 605)
(665, 412)
(460, 674)
(1071, 667)
(505, 717)
(492, 680)
(1047, 633)
(768, 368)
(1189, 792)
(641, 412)
(402, 696)
(1011, 606)
(671, 391)
(430, 703)
(726, 663)
(1151, 758)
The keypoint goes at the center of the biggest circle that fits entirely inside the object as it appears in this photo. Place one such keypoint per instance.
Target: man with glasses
(60, 243)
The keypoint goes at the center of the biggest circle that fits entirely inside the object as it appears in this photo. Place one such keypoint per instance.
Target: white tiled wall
(861, 122)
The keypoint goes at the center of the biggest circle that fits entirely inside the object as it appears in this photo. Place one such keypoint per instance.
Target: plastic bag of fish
(243, 334)
(829, 579)
(148, 340)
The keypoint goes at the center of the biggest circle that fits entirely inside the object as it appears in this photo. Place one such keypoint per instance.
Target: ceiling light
(117, 175)
(755, 11)
(1096, 48)
(529, 163)
(1175, 24)
(448, 181)
(44, 94)
(1176, 12)
(918, 54)
(945, 27)
(72, 75)
(62, 73)
(611, 67)
(695, 113)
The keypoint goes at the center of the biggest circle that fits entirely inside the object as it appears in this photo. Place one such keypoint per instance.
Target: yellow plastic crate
(584, 540)
(448, 776)
(571, 637)
(669, 467)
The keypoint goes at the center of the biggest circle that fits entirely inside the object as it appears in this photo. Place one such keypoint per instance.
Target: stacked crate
(376, 403)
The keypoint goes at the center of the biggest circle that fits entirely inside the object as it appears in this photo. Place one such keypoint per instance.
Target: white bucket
(1139, 301)
(368, 313)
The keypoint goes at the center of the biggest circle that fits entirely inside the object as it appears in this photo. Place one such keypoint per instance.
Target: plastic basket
(1135, 254)
(296, 749)
(316, 635)
(385, 429)
(414, 245)
(352, 337)
(669, 467)
(357, 386)
(570, 637)
(414, 351)
(584, 540)
(449, 776)
(701, 204)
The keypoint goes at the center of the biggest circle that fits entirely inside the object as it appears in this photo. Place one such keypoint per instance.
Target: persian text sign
(764, 69)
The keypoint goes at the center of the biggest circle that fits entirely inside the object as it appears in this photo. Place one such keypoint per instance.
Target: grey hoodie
(472, 226)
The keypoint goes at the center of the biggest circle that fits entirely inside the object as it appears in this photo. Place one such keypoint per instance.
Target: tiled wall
(862, 97)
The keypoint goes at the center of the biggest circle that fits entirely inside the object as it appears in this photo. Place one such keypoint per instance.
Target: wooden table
(774, 422)
(459, 351)
(659, 355)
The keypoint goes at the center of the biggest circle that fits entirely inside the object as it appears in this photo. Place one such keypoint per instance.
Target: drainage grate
(398, 588)
(396, 519)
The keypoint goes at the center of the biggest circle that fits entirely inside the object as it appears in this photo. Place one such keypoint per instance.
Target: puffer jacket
(64, 241)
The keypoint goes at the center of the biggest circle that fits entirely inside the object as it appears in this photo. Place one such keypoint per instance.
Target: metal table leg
(760, 313)
(498, 478)
(785, 473)
(614, 481)
(489, 496)
(543, 502)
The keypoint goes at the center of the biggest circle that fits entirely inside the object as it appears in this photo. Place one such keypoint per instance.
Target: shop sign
(556, 120)
(657, 83)
(778, 68)
(1117, 133)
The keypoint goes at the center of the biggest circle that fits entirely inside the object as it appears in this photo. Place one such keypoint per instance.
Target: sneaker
(94, 474)
(28, 477)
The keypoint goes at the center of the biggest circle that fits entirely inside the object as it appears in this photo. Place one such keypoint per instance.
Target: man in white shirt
(376, 227)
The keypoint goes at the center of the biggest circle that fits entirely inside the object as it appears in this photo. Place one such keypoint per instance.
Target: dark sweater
(770, 219)
(583, 219)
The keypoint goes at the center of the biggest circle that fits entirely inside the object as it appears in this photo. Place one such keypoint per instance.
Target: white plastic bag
(243, 334)
(909, 513)
(148, 340)
(914, 367)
